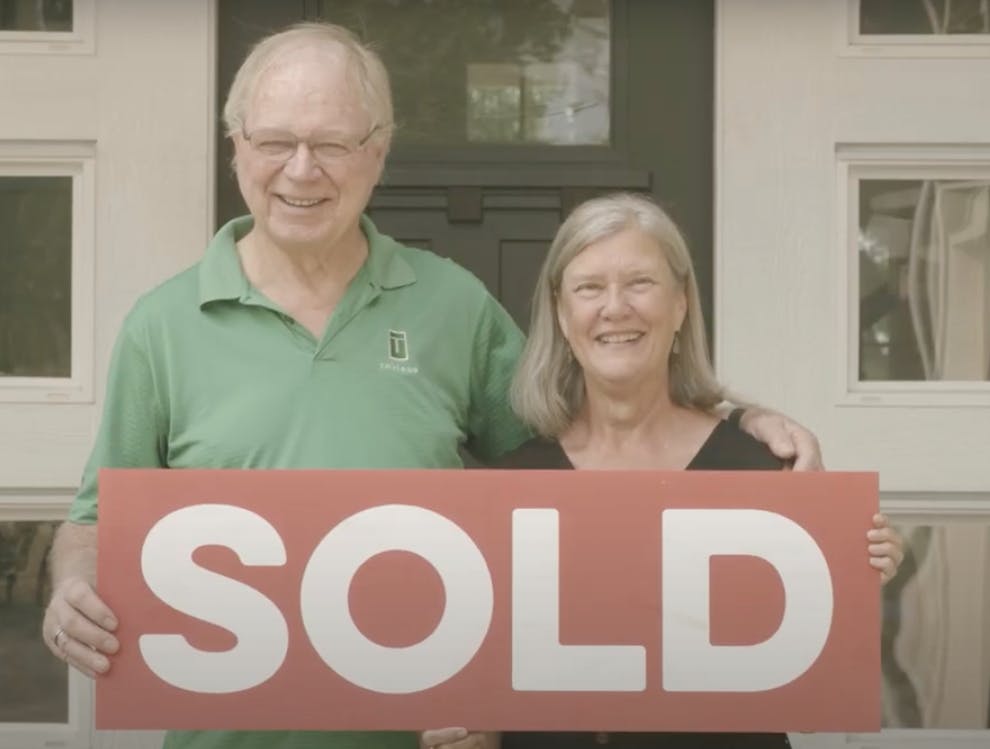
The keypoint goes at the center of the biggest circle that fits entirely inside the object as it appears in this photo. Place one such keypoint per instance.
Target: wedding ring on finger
(58, 633)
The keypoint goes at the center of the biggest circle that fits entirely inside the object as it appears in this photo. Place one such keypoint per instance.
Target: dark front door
(509, 112)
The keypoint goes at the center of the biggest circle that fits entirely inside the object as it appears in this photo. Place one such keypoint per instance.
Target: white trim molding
(35, 504)
(80, 41)
(75, 734)
(858, 162)
(919, 739)
(852, 43)
(77, 161)
(937, 506)
(48, 505)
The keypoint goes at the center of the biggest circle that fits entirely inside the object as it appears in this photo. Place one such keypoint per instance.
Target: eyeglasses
(280, 146)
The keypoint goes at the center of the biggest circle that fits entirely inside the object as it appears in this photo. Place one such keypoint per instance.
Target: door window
(926, 17)
(36, 15)
(466, 73)
(33, 683)
(36, 282)
(924, 279)
(935, 642)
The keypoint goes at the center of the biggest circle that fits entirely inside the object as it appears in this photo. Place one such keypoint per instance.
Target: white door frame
(799, 99)
(128, 100)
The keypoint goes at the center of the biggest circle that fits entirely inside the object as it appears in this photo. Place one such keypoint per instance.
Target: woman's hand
(886, 548)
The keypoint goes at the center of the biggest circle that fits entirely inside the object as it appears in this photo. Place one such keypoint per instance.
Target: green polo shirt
(415, 361)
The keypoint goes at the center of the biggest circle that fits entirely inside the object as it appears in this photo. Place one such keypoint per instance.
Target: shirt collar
(220, 273)
(221, 277)
(387, 269)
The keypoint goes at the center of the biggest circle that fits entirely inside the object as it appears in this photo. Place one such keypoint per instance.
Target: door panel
(119, 108)
(839, 264)
(504, 247)
(826, 147)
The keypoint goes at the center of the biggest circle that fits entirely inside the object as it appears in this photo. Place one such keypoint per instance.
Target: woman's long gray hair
(548, 388)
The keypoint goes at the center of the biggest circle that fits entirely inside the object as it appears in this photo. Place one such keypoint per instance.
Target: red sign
(512, 600)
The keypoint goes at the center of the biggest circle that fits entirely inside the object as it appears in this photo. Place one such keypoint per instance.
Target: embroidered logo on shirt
(398, 346)
(398, 354)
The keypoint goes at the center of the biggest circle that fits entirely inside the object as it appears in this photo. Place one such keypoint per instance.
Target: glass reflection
(35, 276)
(490, 71)
(924, 274)
(33, 683)
(935, 646)
(924, 17)
(35, 15)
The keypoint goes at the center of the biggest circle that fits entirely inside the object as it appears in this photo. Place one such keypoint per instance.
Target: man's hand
(458, 738)
(786, 439)
(78, 627)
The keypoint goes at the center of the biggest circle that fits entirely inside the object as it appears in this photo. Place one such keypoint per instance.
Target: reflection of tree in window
(490, 72)
(924, 17)
(33, 685)
(924, 270)
(888, 346)
(901, 704)
(35, 276)
(935, 633)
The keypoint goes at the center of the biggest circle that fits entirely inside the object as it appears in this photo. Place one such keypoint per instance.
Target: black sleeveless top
(726, 449)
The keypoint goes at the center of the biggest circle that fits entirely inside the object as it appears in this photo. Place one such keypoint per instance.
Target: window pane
(35, 276)
(466, 71)
(35, 15)
(34, 684)
(924, 270)
(935, 643)
(924, 17)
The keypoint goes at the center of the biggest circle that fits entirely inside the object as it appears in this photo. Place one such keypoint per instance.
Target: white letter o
(396, 670)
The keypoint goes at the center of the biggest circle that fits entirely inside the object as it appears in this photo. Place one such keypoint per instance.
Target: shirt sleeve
(493, 427)
(132, 431)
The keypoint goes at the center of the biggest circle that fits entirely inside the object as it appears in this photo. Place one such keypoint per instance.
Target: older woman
(616, 374)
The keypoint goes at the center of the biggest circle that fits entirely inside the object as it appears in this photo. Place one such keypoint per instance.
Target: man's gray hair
(364, 65)
(548, 388)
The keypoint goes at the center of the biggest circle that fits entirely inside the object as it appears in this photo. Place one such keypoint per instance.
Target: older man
(303, 339)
